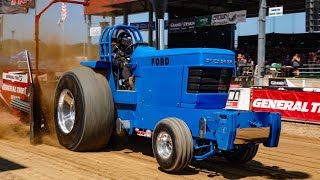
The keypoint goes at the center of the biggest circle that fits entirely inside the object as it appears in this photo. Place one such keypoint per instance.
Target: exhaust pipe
(159, 6)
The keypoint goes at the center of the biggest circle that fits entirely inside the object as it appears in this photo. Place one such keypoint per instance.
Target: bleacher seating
(310, 71)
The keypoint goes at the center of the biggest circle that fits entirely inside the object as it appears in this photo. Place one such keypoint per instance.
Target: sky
(75, 30)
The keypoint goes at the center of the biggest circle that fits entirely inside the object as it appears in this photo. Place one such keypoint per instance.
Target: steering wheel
(129, 50)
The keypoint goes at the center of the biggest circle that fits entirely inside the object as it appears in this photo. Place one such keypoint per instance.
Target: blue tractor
(174, 96)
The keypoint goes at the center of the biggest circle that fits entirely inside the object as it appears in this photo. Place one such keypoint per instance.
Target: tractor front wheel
(172, 144)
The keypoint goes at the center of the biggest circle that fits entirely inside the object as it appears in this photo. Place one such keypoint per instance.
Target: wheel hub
(164, 145)
(66, 111)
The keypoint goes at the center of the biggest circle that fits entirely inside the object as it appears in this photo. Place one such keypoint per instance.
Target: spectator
(312, 58)
(296, 60)
(286, 60)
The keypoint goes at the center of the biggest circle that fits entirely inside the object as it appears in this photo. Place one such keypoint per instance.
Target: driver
(121, 60)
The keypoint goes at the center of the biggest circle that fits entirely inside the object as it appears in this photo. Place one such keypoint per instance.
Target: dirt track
(296, 158)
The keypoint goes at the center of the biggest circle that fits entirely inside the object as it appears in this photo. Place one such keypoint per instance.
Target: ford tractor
(176, 97)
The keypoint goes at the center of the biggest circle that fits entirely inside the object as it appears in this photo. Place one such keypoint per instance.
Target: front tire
(83, 110)
(172, 144)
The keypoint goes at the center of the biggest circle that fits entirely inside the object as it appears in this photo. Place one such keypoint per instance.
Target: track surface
(297, 157)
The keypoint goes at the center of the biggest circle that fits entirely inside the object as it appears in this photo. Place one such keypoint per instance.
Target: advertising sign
(182, 25)
(237, 16)
(297, 105)
(220, 19)
(15, 6)
(276, 11)
(275, 82)
(143, 26)
(229, 18)
(202, 21)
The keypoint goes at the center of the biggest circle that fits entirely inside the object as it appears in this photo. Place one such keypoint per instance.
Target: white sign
(23, 78)
(229, 18)
(276, 11)
(239, 99)
(237, 16)
(95, 31)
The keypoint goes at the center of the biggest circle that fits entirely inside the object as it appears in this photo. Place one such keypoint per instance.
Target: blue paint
(187, 83)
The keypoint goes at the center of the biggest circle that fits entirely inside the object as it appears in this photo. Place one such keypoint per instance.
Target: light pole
(12, 43)
(261, 42)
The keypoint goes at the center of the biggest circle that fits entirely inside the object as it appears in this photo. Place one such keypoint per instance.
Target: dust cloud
(54, 60)
(11, 128)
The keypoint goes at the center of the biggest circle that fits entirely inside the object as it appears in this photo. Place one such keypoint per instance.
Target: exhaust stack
(159, 6)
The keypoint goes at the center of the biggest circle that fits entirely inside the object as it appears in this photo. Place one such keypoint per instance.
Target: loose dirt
(297, 157)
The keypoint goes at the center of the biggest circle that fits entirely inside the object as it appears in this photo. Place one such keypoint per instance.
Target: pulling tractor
(178, 100)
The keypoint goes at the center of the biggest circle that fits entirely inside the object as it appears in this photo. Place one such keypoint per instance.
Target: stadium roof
(200, 7)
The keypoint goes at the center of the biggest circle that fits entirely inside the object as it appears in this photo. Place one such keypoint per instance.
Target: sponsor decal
(15, 77)
(233, 98)
(15, 89)
(147, 133)
(278, 82)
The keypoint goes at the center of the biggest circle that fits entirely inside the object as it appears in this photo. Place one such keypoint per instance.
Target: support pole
(159, 6)
(89, 37)
(12, 41)
(261, 42)
(125, 16)
(150, 33)
(113, 20)
(161, 33)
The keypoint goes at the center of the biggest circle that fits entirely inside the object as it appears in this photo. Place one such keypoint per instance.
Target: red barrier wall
(298, 105)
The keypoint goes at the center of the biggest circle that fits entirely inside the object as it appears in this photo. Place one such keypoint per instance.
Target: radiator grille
(209, 80)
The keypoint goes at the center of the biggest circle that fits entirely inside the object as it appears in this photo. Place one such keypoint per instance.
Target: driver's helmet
(124, 39)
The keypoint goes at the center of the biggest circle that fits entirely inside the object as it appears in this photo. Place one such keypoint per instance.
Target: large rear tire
(172, 144)
(83, 110)
(244, 154)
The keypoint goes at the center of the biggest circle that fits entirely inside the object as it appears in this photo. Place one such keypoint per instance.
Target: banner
(182, 25)
(143, 26)
(237, 16)
(203, 21)
(229, 18)
(291, 104)
(220, 19)
(16, 6)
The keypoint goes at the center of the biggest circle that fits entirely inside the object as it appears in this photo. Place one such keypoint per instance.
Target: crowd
(288, 62)
(290, 53)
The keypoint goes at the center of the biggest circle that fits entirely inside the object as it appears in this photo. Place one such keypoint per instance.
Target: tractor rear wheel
(172, 144)
(244, 154)
(83, 110)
